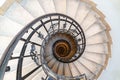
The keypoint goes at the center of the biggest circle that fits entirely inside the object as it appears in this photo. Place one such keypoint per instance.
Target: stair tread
(97, 48)
(100, 59)
(67, 70)
(60, 69)
(70, 6)
(60, 6)
(52, 63)
(48, 6)
(25, 70)
(74, 70)
(95, 58)
(90, 19)
(33, 7)
(94, 29)
(95, 62)
(91, 67)
(98, 38)
(18, 14)
(89, 73)
(83, 69)
(82, 12)
(6, 40)
(39, 75)
(5, 24)
(55, 66)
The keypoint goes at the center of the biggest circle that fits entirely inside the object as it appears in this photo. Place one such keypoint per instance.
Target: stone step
(41, 74)
(82, 69)
(97, 48)
(8, 27)
(98, 59)
(18, 14)
(61, 69)
(67, 70)
(98, 38)
(47, 5)
(12, 75)
(60, 6)
(73, 69)
(33, 7)
(70, 6)
(4, 41)
(94, 29)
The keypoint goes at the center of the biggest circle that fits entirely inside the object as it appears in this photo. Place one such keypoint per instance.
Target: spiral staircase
(57, 40)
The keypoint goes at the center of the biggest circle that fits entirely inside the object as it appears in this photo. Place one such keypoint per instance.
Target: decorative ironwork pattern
(65, 34)
(65, 38)
(65, 41)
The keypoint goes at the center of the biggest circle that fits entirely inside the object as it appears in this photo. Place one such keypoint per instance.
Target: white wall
(111, 8)
(1, 2)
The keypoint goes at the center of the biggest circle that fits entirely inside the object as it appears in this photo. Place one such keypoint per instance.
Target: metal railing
(41, 21)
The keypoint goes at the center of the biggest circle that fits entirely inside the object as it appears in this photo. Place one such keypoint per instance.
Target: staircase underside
(59, 39)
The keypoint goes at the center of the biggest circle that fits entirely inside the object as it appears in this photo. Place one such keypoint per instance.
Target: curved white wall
(111, 8)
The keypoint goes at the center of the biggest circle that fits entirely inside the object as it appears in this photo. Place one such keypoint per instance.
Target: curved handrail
(9, 50)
